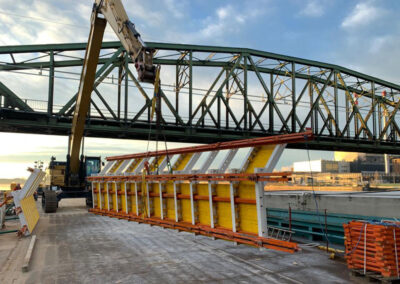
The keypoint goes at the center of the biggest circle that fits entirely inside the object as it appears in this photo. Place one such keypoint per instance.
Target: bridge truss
(209, 94)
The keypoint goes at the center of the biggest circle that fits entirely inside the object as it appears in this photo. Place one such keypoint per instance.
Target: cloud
(363, 14)
(313, 8)
(228, 20)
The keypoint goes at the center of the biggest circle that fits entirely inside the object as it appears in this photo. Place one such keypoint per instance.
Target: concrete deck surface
(74, 246)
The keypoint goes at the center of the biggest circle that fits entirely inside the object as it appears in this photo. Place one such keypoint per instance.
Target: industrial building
(322, 166)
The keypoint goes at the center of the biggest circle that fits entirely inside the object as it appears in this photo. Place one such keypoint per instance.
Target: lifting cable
(155, 109)
(325, 232)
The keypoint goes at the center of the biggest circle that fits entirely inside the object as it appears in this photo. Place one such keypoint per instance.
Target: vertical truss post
(245, 102)
(270, 104)
(227, 99)
(119, 90)
(294, 115)
(51, 84)
(347, 114)
(177, 90)
(126, 86)
(311, 95)
(190, 88)
(380, 117)
(336, 102)
(373, 110)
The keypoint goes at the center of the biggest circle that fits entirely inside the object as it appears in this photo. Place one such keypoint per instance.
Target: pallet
(373, 276)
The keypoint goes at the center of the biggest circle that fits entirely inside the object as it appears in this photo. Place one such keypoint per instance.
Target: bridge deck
(77, 247)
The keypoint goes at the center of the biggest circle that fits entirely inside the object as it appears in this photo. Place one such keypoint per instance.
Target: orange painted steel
(274, 177)
(221, 233)
(373, 247)
(279, 139)
(228, 206)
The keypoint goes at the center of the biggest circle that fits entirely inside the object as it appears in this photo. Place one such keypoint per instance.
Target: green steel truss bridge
(209, 94)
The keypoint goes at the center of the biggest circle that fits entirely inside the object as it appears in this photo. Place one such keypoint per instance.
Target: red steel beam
(278, 139)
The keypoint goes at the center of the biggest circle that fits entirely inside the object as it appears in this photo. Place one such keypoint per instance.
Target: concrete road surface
(74, 246)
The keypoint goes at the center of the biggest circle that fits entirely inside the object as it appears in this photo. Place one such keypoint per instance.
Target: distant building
(321, 166)
(364, 162)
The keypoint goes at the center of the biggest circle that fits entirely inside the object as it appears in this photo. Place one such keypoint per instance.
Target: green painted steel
(310, 225)
(346, 110)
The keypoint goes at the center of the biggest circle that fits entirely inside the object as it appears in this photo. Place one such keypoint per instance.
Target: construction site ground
(74, 246)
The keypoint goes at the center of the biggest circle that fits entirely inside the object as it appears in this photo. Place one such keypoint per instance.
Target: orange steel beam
(221, 233)
(276, 176)
(280, 139)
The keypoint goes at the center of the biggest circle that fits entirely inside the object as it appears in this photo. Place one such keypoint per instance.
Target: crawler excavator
(68, 178)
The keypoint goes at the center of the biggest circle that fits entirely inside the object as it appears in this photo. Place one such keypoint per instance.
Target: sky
(361, 35)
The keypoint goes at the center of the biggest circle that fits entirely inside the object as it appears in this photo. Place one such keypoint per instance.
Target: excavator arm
(113, 12)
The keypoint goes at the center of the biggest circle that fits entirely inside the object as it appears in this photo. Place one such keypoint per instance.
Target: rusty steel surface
(280, 139)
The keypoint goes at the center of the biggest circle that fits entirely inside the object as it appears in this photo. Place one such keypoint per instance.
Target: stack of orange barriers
(373, 247)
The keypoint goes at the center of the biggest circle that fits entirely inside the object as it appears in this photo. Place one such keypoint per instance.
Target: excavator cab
(93, 165)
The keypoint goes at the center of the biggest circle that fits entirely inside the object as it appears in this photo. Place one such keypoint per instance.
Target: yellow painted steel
(156, 200)
(156, 163)
(224, 208)
(106, 201)
(133, 165)
(245, 209)
(185, 203)
(203, 205)
(98, 188)
(259, 157)
(28, 206)
(246, 189)
(115, 166)
(182, 162)
(169, 188)
(114, 196)
(123, 198)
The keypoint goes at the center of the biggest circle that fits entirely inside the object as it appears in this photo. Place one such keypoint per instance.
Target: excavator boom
(114, 13)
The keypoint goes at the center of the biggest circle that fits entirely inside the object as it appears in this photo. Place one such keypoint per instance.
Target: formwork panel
(203, 205)
(97, 186)
(185, 203)
(224, 208)
(132, 191)
(123, 198)
(114, 202)
(156, 200)
(31, 213)
(226, 205)
(169, 187)
(260, 157)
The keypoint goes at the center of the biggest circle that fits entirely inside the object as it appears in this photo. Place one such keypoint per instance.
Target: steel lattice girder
(154, 188)
(346, 110)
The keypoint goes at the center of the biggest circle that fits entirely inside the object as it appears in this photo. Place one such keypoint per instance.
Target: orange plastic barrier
(373, 247)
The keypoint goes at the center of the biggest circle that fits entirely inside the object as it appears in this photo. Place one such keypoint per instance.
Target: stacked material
(373, 247)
